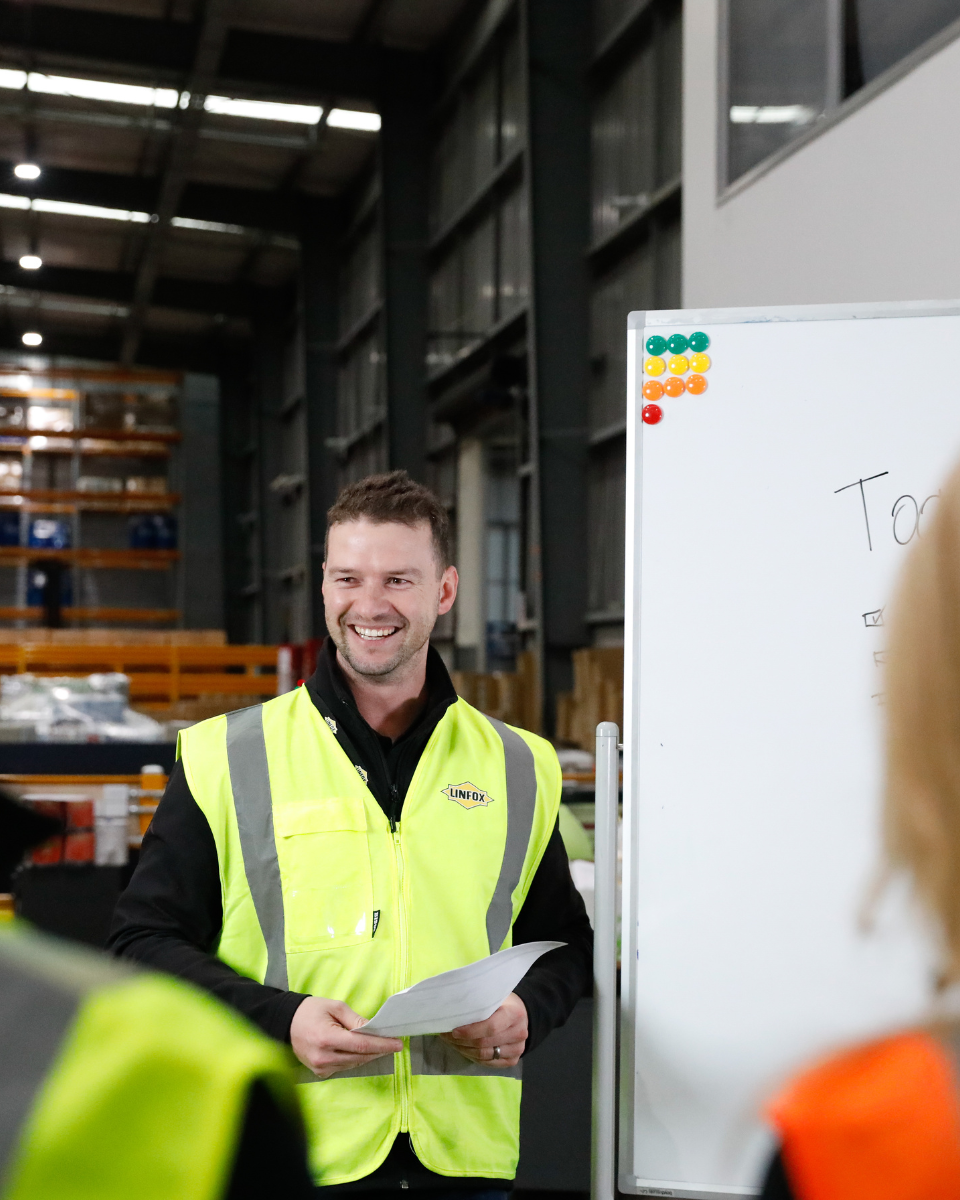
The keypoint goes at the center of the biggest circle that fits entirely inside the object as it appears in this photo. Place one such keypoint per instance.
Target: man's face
(383, 591)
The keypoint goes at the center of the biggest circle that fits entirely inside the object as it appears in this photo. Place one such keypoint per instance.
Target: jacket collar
(329, 685)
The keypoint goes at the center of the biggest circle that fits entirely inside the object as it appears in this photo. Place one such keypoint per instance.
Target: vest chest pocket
(325, 873)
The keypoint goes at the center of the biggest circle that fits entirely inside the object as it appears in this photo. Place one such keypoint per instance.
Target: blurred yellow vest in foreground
(119, 1083)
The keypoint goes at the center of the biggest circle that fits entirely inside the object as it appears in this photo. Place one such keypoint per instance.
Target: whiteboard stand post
(605, 962)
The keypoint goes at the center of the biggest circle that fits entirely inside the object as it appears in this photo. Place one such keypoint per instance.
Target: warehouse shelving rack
(53, 420)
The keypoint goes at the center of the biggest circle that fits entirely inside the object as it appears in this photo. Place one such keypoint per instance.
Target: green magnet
(677, 343)
(656, 344)
(699, 342)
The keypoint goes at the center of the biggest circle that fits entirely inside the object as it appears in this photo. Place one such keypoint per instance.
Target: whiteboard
(758, 570)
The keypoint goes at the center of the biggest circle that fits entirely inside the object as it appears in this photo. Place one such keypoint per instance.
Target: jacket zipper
(404, 1074)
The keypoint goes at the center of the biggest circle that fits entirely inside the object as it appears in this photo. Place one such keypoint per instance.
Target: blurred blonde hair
(922, 804)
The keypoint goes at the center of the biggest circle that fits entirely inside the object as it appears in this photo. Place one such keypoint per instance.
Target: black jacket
(171, 914)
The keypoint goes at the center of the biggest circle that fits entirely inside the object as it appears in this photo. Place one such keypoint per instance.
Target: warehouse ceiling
(165, 207)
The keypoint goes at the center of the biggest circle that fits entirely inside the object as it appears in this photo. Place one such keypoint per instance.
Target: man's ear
(449, 582)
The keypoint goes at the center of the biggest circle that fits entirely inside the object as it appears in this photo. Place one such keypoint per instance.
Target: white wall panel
(863, 211)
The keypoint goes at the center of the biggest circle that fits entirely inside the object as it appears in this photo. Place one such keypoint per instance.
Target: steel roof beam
(249, 58)
(180, 352)
(89, 33)
(209, 48)
(153, 124)
(190, 295)
(252, 207)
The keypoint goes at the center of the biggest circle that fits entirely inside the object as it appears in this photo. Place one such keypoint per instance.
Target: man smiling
(315, 854)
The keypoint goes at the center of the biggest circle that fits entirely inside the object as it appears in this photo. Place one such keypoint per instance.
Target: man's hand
(507, 1028)
(321, 1037)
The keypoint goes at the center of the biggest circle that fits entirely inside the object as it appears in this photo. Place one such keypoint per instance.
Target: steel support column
(240, 491)
(557, 39)
(404, 170)
(201, 598)
(320, 233)
(268, 374)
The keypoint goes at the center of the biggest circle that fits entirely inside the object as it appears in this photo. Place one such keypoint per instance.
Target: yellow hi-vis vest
(116, 1082)
(321, 896)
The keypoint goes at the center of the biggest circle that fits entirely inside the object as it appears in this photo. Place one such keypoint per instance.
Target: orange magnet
(654, 366)
(674, 386)
(700, 362)
(679, 364)
(696, 384)
(652, 390)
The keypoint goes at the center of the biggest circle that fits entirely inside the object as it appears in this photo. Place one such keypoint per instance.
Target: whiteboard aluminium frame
(636, 323)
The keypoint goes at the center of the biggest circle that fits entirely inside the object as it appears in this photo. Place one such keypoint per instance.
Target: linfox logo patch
(467, 795)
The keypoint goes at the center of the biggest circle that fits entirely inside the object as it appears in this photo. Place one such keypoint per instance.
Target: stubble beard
(408, 649)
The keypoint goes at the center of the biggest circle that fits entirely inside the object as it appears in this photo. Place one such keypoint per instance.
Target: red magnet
(674, 386)
(696, 384)
(652, 389)
(651, 413)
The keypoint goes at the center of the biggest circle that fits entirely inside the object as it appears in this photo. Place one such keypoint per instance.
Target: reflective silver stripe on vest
(35, 1016)
(379, 1066)
(433, 1056)
(521, 806)
(252, 800)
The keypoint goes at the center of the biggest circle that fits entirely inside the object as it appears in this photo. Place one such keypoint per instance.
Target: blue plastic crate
(49, 533)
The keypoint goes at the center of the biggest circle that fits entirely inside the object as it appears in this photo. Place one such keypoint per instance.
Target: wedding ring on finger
(496, 1053)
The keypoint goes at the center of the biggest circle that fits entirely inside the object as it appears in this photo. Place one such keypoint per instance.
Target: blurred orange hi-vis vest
(880, 1122)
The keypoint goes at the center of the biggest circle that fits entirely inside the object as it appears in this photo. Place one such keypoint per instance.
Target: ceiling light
(349, 118)
(69, 209)
(32, 339)
(772, 114)
(264, 110)
(231, 106)
(206, 226)
(31, 262)
(98, 89)
(27, 171)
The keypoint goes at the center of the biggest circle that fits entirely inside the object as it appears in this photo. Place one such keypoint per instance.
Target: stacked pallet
(113, 637)
(597, 696)
(184, 675)
(510, 696)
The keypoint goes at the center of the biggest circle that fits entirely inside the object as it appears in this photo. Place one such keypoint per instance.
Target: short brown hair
(393, 498)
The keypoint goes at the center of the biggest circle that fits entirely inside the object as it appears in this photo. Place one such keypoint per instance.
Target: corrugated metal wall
(479, 271)
(361, 389)
(479, 281)
(636, 255)
(479, 288)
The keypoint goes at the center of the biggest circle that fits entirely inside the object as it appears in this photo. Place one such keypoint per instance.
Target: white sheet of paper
(457, 997)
